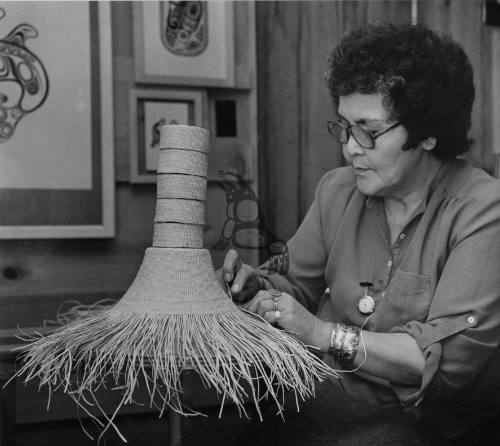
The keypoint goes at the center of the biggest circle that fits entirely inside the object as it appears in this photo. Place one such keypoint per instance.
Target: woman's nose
(352, 148)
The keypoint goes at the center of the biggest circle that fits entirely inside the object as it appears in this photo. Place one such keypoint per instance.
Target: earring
(429, 143)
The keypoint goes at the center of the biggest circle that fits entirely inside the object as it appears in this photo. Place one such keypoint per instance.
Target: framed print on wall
(184, 43)
(56, 135)
(149, 110)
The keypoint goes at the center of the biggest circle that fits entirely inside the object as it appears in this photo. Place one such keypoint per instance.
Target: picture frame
(159, 58)
(149, 110)
(56, 163)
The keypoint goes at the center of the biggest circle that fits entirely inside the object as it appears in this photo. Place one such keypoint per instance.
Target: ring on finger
(275, 294)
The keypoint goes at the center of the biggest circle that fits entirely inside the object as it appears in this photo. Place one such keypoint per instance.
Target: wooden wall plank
(123, 81)
(462, 19)
(244, 35)
(321, 25)
(278, 40)
(494, 111)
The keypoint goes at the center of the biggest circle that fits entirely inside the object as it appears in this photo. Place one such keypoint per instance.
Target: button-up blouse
(439, 282)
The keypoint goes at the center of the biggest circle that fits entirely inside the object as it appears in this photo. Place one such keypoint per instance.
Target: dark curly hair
(426, 81)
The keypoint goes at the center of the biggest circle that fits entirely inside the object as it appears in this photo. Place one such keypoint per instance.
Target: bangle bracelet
(344, 341)
(350, 347)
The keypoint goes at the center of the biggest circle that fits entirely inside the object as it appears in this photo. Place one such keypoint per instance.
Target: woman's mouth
(359, 169)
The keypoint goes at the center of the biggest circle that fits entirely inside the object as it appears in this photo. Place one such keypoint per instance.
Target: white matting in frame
(149, 111)
(58, 154)
(161, 59)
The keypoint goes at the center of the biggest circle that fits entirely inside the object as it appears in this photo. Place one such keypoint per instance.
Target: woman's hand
(283, 310)
(244, 281)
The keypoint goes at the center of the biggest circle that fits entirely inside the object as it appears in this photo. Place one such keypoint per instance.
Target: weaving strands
(175, 316)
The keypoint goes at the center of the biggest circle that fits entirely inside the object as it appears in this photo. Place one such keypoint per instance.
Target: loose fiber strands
(174, 317)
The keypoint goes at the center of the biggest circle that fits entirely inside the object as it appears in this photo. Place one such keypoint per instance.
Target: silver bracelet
(344, 341)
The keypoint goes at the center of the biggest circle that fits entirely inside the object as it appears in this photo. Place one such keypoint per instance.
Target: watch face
(366, 304)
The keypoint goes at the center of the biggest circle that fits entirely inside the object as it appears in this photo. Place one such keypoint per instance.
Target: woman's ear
(428, 143)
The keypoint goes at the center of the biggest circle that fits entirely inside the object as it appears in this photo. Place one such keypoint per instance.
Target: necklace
(391, 215)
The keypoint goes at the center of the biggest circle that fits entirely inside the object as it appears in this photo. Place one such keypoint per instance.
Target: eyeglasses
(342, 131)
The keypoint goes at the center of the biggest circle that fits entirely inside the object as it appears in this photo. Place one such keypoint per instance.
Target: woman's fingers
(242, 277)
(246, 281)
(246, 284)
(266, 306)
(230, 265)
(283, 310)
(253, 304)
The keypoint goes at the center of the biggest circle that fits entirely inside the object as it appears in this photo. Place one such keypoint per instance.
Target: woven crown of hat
(175, 316)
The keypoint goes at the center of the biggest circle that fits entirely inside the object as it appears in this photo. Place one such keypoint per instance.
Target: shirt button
(471, 319)
(402, 236)
(389, 263)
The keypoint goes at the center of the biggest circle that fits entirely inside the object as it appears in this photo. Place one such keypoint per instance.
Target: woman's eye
(370, 131)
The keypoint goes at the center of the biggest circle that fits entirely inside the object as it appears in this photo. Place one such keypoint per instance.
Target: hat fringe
(238, 354)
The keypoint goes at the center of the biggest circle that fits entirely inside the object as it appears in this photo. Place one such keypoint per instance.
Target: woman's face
(386, 170)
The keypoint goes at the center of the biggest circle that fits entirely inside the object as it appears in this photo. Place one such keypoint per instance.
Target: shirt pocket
(408, 296)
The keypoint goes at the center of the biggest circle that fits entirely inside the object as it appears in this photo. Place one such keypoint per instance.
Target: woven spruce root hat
(175, 316)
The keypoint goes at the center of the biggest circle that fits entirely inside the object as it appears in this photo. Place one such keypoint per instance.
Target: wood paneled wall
(294, 39)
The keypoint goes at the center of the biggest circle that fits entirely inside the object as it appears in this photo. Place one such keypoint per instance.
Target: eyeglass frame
(347, 127)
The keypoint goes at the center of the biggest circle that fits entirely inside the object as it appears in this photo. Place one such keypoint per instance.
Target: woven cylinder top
(181, 190)
(184, 137)
(182, 186)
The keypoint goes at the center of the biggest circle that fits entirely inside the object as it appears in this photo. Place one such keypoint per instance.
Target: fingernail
(235, 288)
(228, 277)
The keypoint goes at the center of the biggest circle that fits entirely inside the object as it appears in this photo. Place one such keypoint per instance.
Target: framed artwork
(151, 109)
(56, 135)
(184, 43)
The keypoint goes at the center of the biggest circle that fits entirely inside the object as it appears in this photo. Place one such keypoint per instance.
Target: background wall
(294, 147)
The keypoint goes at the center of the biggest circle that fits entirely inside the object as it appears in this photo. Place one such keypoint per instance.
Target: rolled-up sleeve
(462, 330)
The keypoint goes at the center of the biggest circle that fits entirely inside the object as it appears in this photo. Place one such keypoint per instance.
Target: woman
(406, 238)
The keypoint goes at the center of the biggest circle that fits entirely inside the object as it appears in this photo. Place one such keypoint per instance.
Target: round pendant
(366, 304)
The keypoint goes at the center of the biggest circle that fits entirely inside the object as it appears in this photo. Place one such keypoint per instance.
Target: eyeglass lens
(341, 133)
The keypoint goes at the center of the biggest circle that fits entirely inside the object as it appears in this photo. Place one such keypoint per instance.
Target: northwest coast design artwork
(183, 27)
(245, 226)
(24, 84)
